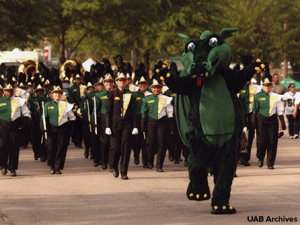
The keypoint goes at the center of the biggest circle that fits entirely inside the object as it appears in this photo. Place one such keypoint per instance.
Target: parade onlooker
(280, 89)
(288, 100)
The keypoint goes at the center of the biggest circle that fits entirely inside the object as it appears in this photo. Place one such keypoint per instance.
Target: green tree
(21, 21)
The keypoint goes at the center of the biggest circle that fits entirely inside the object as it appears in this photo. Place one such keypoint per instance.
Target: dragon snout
(199, 68)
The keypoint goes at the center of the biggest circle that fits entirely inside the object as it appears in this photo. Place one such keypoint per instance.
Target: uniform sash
(61, 109)
(126, 100)
(273, 99)
(14, 105)
(252, 92)
(161, 103)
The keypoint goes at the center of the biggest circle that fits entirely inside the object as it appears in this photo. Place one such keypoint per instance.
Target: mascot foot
(198, 194)
(223, 210)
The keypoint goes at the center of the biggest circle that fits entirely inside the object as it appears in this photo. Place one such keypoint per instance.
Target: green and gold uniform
(75, 94)
(138, 140)
(102, 139)
(35, 132)
(266, 107)
(155, 113)
(14, 116)
(59, 116)
(246, 97)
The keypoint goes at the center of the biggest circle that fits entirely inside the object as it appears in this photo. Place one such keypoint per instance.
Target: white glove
(245, 129)
(108, 131)
(135, 131)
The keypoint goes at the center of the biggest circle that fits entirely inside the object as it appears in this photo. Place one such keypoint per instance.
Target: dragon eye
(191, 47)
(213, 42)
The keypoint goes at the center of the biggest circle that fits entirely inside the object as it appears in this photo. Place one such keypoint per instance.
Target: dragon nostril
(204, 64)
(193, 66)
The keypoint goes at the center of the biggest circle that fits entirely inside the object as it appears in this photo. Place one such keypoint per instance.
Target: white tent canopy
(87, 64)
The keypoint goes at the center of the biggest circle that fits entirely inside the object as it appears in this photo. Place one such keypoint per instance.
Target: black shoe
(79, 146)
(111, 169)
(57, 171)
(96, 164)
(271, 167)
(4, 171)
(159, 170)
(136, 161)
(52, 170)
(246, 163)
(260, 163)
(235, 175)
(115, 172)
(176, 161)
(240, 162)
(104, 166)
(280, 134)
(186, 163)
(146, 166)
(43, 158)
(180, 159)
(171, 158)
(36, 157)
(86, 154)
(13, 173)
(91, 156)
(150, 166)
(24, 146)
(124, 177)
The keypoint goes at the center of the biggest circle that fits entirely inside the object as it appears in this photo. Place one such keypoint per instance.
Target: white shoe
(296, 136)
(292, 137)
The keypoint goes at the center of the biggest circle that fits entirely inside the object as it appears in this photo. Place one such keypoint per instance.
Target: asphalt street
(84, 194)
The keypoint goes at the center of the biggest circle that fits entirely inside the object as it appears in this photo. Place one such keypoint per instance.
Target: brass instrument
(67, 64)
(28, 67)
(71, 64)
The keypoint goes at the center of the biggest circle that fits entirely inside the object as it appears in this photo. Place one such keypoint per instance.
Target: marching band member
(74, 97)
(156, 110)
(266, 106)
(58, 118)
(119, 119)
(102, 138)
(138, 140)
(14, 116)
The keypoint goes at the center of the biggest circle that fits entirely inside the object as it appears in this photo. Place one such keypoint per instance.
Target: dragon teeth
(206, 74)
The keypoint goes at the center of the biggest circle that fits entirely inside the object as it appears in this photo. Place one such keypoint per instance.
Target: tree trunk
(285, 62)
(62, 57)
(134, 57)
(296, 71)
(285, 69)
(146, 56)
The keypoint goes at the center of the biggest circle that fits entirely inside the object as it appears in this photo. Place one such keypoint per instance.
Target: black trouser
(156, 130)
(10, 143)
(267, 138)
(95, 138)
(169, 139)
(104, 141)
(36, 137)
(57, 145)
(138, 143)
(178, 145)
(293, 125)
(247, 142)
(77, 136)
(25, 136)
(87, 133)
(119, 146)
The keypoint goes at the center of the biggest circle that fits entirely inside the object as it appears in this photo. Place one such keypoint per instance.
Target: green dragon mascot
(208, 114)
